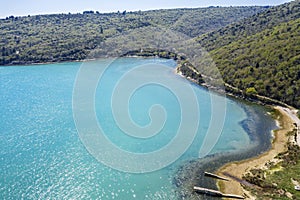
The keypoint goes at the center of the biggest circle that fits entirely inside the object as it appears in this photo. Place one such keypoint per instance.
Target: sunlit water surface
(42, 156)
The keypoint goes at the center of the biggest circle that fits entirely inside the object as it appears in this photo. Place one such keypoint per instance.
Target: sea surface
(43, 156)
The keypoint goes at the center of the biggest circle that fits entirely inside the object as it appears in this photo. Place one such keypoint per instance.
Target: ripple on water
(42, 156)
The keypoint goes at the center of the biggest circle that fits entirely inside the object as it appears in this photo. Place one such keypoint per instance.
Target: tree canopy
(260, 55)
(256, 49)
(67, 37)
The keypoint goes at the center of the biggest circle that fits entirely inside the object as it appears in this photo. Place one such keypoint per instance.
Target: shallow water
(42, 155)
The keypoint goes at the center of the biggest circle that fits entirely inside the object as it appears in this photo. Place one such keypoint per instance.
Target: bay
(42, 155)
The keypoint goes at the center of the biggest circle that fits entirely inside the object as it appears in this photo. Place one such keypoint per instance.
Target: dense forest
(260, 55)
(256, 49)
(250, 26)
(65, 37)
(266, 63)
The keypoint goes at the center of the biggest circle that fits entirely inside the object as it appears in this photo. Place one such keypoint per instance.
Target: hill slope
(267, 63)
(66, 37)
(260, 54)
(250, 26)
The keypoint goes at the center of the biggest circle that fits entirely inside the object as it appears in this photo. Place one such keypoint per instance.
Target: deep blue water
(42, 155)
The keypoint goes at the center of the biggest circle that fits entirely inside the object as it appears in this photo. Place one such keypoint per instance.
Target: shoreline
(286, 120)
(77, 61)
(191, 173)
(239, 168)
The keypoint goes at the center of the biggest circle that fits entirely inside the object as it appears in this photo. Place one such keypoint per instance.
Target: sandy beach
(238, 169)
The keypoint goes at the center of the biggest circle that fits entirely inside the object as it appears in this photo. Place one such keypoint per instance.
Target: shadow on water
(191, 173)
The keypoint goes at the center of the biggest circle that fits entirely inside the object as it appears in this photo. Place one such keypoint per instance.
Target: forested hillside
(255, 48)
(267, 63)
(250, 26)
(66, 37)
(261, 54)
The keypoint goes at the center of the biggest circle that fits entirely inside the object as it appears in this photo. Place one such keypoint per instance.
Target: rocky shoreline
(191, 173)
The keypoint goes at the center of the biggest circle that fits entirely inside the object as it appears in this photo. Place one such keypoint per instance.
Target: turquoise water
(42, 155)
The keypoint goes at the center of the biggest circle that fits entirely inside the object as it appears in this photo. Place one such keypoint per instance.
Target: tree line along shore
(256, 49)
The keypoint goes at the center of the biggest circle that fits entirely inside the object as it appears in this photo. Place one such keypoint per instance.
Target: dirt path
(238, 169)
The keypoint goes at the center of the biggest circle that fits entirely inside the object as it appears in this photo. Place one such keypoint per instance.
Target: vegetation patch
(277, 181)
(67, 37)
